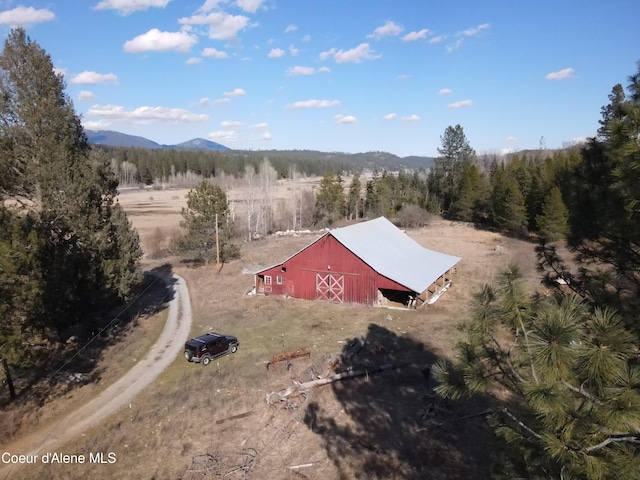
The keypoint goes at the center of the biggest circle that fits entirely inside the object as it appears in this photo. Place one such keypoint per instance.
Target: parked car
(206, 347)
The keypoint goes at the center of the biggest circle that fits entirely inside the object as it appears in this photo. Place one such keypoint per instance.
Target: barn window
(279, 280)
(267, 280)
(284, 269)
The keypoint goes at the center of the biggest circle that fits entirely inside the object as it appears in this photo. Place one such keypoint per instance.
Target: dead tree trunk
(299, 388)
(12, 390)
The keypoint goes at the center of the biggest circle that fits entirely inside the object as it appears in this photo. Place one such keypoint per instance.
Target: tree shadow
(74, 362)
(391, 425)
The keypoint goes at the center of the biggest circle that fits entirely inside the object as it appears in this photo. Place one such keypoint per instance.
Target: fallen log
(299, 388)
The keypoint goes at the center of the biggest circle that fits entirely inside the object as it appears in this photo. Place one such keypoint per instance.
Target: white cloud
(411, 118)
(223, 135)
(265, 136)
(85, 95)
(193, 61)
(354, 55)
(345, 118)
(210, 5)
(222, 26)
(324, 69)
(96, 125)
(455, 46)
(316, 104)
(388, 29)
(561, 74)
(236, 92)
(155, 40)
(413, 36)
(125, 7)
(146, 114)
(293, 51)
(231, 124)
(250, 6)
(306, 38)
(445, 91)
(213, 53)
(204, 101)
(61, 72)
(260, 126)
(290, 28)
(506, 151)
(473, 31)
(511, 140)
(25, 16)
(327, 54)
(461, 104)
(220, 101)
(298, 70)
(403, 77)
(276, 53)
(437, 39)
(390, 116)
(93, 78)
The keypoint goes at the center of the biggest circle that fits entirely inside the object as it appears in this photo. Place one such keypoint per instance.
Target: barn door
(329, 287)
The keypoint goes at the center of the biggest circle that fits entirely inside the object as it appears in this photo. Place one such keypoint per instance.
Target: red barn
(364, 263)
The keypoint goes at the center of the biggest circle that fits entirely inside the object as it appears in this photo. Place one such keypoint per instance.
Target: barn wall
(330, 267)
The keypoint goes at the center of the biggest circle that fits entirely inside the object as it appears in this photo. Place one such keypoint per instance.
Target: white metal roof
(392, 253)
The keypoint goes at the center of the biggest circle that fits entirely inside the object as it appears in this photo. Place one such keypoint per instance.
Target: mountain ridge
(117, 139)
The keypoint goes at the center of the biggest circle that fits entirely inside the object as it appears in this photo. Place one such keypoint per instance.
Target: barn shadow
(391, 425)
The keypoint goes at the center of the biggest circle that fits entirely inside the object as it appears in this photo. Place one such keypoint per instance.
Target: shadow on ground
(74, 361)
(391, 425)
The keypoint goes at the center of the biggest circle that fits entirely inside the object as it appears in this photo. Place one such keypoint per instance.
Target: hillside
(117, 139)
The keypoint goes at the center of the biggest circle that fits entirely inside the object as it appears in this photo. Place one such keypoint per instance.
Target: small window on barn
(284, 269)
(267, 280)
(279, 280)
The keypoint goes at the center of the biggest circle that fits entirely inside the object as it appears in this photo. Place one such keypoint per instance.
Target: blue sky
(339, 75)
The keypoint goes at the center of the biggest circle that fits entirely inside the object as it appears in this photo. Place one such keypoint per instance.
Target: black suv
(206, 347)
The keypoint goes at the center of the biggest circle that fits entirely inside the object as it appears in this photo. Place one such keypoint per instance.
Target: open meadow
(200, 422)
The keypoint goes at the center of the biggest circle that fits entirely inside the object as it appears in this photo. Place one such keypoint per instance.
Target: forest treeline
(177, 167)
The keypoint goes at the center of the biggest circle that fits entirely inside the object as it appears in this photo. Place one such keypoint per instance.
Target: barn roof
(394, 254)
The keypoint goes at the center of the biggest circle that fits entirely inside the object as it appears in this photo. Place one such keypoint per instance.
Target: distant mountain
(369, 160)
(117, 139)
(198, 144)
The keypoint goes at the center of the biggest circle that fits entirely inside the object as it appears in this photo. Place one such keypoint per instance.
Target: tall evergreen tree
(553, 222)
(88, 251)
(508, 208)
(444, 179)
(471, 202)
(330, 203)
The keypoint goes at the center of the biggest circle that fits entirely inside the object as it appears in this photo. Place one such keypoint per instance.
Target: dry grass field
(211, 422)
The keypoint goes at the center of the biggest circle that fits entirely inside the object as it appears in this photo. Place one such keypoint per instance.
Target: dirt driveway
(159, 357)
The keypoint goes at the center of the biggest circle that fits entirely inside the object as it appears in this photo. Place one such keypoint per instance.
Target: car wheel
(188, 355)
(233, 348)
(206, 360)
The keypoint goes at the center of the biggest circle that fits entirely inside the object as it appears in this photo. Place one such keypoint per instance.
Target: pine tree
(508, 208)
(330, 204)
(471, 203)
(444, 179)
(566, 379)
(88, 251)
(553, 221)
(207, 209)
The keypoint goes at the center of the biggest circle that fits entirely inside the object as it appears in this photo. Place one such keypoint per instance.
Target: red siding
(328, 267)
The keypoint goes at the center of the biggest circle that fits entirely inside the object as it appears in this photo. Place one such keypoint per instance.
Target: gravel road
(121, 393)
